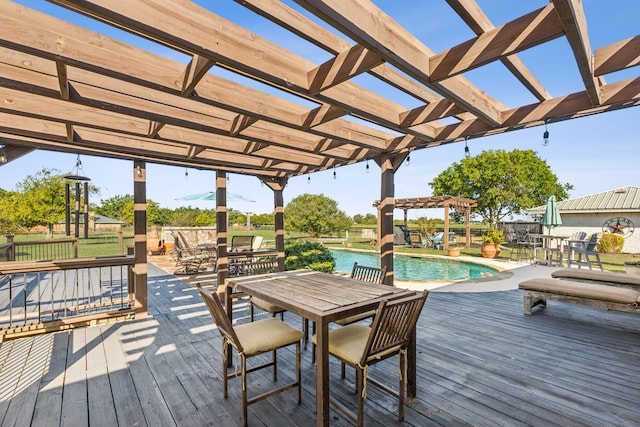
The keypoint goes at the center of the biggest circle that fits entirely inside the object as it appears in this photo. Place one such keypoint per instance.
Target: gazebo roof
(432, 202)
(187, 86)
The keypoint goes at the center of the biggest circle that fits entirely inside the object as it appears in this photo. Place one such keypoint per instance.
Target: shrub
(308, 255)
(610, 243)
(493, 236)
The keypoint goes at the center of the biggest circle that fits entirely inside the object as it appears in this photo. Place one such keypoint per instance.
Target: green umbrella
(551, 216)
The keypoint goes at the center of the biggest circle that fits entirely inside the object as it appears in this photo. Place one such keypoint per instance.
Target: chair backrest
(183, 239)
(593, 241)
(393, 325)
(578, 235)
(220, 317)
(257, 242)
(241, 243)
(368, 274)
(438, 237)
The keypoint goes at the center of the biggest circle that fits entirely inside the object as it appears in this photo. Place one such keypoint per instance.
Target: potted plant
(491, 241)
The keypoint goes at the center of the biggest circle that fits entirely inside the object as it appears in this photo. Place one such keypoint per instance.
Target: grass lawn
(105, 244)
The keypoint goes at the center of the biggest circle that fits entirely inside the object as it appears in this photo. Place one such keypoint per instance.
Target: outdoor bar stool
(361, 346)
(253, 339)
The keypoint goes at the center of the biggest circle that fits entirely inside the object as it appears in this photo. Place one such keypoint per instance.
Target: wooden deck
(480, 362)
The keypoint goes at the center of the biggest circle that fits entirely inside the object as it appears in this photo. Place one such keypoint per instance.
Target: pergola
(186, 86)
(460, 204)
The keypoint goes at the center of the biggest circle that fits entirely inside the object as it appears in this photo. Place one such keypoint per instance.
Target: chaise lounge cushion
(597, 276)
(583, 290)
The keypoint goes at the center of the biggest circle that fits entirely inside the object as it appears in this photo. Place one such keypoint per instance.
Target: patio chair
(366, 274)
(361, 346)
(585, 249)
(188, 259)
(522, 245)
(253, 339)
(241, 243)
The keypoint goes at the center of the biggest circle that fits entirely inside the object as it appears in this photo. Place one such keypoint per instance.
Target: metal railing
(38, 250)
(50, 295)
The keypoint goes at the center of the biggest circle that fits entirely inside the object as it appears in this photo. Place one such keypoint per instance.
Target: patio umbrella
(551, 216)
(211, 195)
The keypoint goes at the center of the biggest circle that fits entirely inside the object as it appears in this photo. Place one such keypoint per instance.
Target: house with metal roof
(614, 211)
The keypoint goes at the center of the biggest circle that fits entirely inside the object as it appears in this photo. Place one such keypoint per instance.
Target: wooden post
(277, 185)
(222, 262)
(446, 228)
(140, 238)
(388, 165)
(467, 222)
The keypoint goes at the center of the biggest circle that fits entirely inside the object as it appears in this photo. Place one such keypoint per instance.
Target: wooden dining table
(322, 298)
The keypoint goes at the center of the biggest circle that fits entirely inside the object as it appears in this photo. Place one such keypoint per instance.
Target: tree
(502, 183)
(114, 207)
(368, 219)
(39, 200)
(315, 214)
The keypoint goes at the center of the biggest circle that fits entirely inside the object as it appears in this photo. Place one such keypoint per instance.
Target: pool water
(415, 268)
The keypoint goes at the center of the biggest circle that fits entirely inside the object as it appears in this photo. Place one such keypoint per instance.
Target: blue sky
(594, 154)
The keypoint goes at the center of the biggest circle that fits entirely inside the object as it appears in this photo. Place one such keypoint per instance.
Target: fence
(47, 296)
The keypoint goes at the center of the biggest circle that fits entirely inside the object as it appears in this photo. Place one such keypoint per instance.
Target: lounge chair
(189, 260)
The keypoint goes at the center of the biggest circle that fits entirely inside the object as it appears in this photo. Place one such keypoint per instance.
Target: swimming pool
(415, 268)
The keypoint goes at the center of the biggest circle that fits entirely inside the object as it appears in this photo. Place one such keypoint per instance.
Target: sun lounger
(538, 291)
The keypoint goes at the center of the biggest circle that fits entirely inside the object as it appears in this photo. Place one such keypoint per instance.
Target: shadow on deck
(480, 362)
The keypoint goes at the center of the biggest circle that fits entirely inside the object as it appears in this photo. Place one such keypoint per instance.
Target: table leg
(322, 373)
(411, 367)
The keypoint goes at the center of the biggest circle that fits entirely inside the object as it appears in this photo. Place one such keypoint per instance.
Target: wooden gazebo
(460, 204)
(173, 89)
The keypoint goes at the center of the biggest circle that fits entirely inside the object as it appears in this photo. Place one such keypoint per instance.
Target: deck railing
(38, 250)
(52, 295)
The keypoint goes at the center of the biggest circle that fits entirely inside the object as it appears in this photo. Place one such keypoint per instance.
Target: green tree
(502, 183)
(155, 215)
(315, 214)
(368, 219)
(114, 207)
(39, 200)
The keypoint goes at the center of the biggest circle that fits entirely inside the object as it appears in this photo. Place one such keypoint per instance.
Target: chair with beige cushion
(361, 346)
(252, 339)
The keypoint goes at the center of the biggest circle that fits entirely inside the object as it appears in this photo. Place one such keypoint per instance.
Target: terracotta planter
(490, 250)
(453, 252)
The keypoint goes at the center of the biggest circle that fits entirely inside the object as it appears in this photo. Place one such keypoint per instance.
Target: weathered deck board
(480, 362)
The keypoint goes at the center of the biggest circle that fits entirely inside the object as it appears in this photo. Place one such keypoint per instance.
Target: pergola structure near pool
(460, 204)
(187, 86)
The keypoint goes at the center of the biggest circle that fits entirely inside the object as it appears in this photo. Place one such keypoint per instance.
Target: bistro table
(322, 298)
(550, 243)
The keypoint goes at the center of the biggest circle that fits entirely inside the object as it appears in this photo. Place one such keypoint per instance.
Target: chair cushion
(583, 290)
(348, 342)
(356, 317)
(266, 306)
(596, 276)
(265, 335)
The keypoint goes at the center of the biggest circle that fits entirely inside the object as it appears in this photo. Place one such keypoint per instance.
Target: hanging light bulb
(466, 147)
(334, 172)
(545, 135)
(308, 179)
(408, 159)
(367, 167)
(186, 174)
(3, 155)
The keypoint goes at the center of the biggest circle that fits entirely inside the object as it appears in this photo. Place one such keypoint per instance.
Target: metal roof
(618, 200)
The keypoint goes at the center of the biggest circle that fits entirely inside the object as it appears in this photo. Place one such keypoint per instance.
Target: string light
(138, 170)
(367, 167)
(186, 174)
(408, 159)
(545, 135)
(334, 173)
(308, 179)
(3, 155)
(466, 147)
